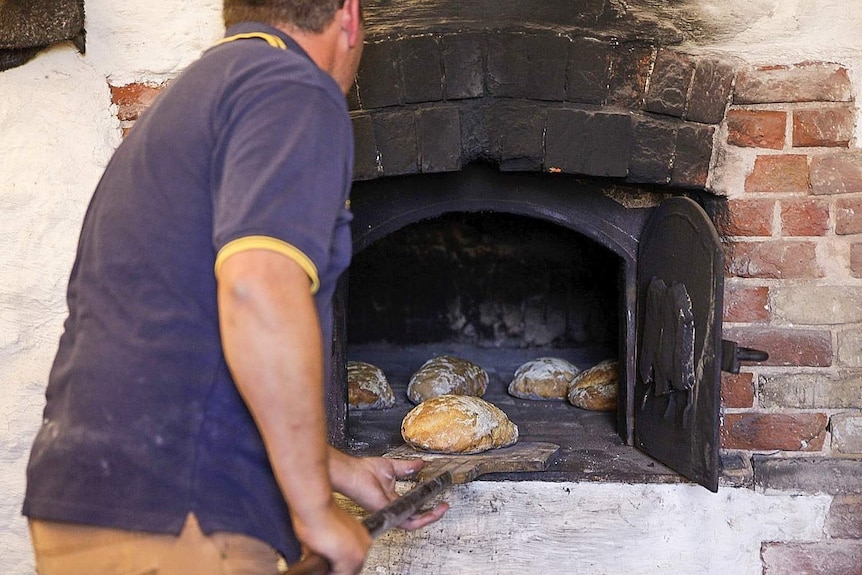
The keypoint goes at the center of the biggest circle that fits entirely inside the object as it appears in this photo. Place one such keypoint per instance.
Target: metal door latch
(732, 354)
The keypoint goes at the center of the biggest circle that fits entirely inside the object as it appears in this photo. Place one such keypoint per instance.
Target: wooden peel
(524, 456)
(439, 472)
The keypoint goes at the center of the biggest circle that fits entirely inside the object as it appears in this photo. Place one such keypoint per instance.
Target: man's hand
(370, 482)
(335, 535)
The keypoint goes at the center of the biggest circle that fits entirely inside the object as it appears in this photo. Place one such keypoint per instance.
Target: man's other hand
(370, 482)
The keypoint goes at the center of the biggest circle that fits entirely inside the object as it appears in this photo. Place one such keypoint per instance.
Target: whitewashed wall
(57, 131)
(534, 528)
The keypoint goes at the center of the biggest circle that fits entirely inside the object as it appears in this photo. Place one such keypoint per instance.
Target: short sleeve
(281, 183)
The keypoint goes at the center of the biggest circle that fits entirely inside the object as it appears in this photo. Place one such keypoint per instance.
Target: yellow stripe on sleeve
(273, 245)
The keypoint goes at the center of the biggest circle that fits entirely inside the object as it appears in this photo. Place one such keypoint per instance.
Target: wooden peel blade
(521, 457)
(440, 471)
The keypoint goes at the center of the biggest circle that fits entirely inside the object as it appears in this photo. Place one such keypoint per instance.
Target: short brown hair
(307, 15)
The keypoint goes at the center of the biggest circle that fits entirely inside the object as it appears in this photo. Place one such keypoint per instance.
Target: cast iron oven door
(679, 286)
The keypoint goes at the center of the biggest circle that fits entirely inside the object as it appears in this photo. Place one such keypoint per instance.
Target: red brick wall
(792, 266)
(131, 100)
(794, 226)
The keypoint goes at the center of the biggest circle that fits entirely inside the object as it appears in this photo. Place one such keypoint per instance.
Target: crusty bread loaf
(457, 424)
(596, 388)
(447, 375)
(545, 378)
(367, 387)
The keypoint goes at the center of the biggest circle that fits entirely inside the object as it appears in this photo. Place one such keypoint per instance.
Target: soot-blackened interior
(499, 290)
(492, 280)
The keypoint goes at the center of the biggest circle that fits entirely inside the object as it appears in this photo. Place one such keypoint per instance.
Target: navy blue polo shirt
(251, 147)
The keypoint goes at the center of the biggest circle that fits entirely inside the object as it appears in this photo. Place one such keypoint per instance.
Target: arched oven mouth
(432, 253)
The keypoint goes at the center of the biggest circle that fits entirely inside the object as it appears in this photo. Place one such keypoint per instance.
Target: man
(184, 430)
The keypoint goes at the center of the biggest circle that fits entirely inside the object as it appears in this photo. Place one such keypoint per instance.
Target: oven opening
(497, 289)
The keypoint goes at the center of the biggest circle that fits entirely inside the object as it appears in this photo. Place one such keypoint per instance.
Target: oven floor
(590, 448)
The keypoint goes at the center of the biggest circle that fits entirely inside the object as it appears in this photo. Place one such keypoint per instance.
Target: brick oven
(503, 268)
(498, 140)
(534, 131)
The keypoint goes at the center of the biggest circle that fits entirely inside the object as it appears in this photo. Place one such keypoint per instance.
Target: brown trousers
(69, 549)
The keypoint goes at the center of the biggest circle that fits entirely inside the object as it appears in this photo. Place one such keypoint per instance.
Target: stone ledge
(588, 71)
(438, 134)
(379, 78)
(463, 65)
(692, 155)
(472, 64)
(711, 88)
(652, 150)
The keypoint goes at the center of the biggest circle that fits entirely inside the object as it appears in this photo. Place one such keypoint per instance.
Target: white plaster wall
(789, 32)
(534, 528)
(57, 131)
(786, 31)
(50, 159)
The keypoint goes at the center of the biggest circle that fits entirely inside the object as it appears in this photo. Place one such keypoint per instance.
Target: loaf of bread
(447, 375)
(457, 424)
(545, 378)
(367, 387)
(596, 388)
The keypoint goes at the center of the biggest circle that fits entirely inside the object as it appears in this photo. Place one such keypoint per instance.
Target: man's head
(330, 31)
(306, 15)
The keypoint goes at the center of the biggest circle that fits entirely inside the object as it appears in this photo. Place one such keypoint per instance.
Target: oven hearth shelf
(590, 447)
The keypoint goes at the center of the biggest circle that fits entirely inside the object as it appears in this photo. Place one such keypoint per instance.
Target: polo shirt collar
(246, 27)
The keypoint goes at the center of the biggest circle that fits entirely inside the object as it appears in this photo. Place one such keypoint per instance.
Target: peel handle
(381, 521)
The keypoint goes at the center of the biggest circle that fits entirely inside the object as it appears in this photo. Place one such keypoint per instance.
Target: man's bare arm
(272, 342)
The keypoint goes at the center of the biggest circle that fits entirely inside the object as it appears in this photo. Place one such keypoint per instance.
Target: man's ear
(351, 21)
